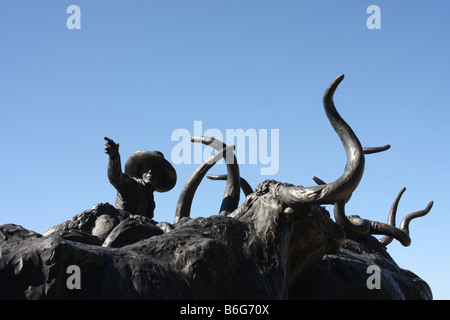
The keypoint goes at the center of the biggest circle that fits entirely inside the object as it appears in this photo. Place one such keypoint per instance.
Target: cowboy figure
(145, 172)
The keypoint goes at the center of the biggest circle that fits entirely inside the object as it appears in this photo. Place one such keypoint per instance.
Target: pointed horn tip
(215, 177)
(338, 79)
(329, 92)
(318, 180)
(202, 139)
(386, 147)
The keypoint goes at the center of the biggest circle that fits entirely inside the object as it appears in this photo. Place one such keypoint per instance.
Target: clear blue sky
(138, 70)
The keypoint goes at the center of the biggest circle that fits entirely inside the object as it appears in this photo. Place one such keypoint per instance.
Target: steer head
(288, 231)
(290, 199)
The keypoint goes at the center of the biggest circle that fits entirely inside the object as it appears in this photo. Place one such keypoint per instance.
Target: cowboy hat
(133, 168)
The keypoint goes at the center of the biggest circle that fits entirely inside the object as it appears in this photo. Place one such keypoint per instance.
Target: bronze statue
(280, 243)
(145, 172)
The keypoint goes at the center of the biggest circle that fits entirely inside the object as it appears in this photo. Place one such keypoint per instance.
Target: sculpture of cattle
(279, 244)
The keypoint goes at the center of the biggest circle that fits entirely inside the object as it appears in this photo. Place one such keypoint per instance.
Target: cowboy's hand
(111, 148)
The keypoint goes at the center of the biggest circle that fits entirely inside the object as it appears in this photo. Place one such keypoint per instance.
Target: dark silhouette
(145, 172)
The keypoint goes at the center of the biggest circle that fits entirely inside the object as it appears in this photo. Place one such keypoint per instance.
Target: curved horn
(366, 150)
(187, 193)
(404, 225)
(391, 218)
(344, 186)
(245, 186)
(359, 226)
(356, 226)
(231, 194)
(370, 150)
(402, 233)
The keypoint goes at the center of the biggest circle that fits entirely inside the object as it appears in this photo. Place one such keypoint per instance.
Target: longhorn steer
(267, 248)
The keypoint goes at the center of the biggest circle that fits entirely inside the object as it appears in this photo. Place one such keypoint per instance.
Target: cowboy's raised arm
(115, 175)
